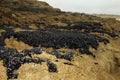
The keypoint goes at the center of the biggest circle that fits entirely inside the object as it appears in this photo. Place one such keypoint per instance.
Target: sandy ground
(118, 19)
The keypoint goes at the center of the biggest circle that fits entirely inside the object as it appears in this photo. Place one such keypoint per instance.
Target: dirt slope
(32, 16)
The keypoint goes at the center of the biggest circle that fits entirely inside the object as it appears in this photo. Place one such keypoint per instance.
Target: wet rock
(66, 63)
(56, 53)
(68, 56)
(12, 60)
(35, 50)
(52, 67)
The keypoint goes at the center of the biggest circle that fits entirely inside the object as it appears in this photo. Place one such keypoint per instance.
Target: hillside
(117, 17)
(39, 42)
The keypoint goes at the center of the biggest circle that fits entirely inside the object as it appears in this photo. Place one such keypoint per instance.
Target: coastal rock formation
(39, 42)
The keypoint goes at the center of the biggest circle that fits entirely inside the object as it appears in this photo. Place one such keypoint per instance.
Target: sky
(87, 6)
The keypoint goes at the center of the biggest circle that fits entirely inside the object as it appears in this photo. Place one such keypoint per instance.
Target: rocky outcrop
(39, 42)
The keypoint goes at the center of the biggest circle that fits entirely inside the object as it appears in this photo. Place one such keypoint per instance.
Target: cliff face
(39, 42)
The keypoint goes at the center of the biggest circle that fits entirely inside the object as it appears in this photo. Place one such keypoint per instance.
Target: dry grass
(13, 43)
(1, 32)
(18, 29)
(2, 71)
